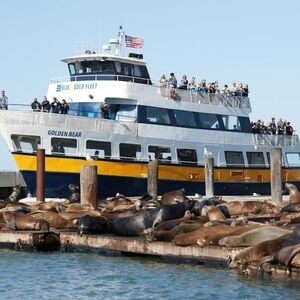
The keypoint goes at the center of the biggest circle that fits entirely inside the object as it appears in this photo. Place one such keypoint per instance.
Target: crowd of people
(55, 106)
(281, 127)
(202, 87)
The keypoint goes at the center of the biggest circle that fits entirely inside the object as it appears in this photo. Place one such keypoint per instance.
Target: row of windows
(108, 68)
(189, 119)
(102, 149)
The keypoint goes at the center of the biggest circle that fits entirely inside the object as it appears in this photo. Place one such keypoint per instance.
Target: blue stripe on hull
(56, 185)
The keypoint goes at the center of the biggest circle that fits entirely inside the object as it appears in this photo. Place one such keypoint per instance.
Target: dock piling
(40, 175)
(276, 174)
(209, 176)
(89, 185)
(152, 178)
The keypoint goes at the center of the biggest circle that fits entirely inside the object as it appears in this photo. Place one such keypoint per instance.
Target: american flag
(133, 42)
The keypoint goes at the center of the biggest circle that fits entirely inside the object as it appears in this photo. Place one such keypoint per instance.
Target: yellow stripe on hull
(136, 169)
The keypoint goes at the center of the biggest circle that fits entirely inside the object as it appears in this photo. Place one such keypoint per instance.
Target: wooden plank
(140, 246)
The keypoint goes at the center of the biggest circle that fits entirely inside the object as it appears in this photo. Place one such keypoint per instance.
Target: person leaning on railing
(3, 101)
(36, 105)
(46, 105)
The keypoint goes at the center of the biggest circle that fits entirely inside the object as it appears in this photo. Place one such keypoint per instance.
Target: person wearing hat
(3, 101)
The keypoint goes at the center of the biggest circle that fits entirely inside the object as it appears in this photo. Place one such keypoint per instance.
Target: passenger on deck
(212, 88)
(202, 89)
(3, 101)
(64, 107)
(163, 81)
(46, 105)
(280, 128)
(55, 106)
(245, 91)
(104, 110)
(184, 83)
(239, 90)
(172, 81)
(192, 84)
(36, 105)
(225, 90)
(233, 89)
(289, 129)
(273, 126)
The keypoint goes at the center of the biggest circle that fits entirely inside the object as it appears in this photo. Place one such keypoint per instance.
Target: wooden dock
(71, 241)
(29, 240)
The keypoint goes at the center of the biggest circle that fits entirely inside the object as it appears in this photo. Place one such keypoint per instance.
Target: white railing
(275, 140)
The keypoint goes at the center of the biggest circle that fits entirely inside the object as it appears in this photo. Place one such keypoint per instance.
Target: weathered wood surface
(140, 246)
(29, 240)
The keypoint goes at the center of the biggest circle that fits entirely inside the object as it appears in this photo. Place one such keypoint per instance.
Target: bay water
(93, 276)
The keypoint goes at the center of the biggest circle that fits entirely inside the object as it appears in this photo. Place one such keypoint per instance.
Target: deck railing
(235, 100)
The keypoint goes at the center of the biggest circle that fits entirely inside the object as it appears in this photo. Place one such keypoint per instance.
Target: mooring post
(209, 176)
(152, 178)
(276, 174)
(89, 185)
(40, 175)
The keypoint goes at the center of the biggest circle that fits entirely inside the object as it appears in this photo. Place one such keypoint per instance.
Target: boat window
(126, 69)
(231, 123)
(130, 151)
(98, 149)
(136, 71)
(161, 153)
(209, 121)
(124, 112)
(60, 146)
(234, 158)
(85, 109)
(72, 69)
(25, 143)
(185, 118)
(293, 159)
(187, 155)
(157, 115)
(255, 159)
(118, 67)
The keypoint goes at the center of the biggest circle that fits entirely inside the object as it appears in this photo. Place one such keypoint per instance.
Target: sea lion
(251, 207)
(16, 193)
(76, 207)
(120, 202)
(74, 195)
(55, 220)
(19, 221)
(210, 235)
(134, 225)
(173, 197)
(152, 234)
(266, 249)
(289, 256)
(198, 207)
(93, 225)
(78, 214)
(213, 213)
(253, 237)
(294, 193)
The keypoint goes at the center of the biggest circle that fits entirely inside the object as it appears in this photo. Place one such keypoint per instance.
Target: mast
(120, 41)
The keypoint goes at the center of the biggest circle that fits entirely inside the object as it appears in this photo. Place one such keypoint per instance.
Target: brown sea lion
(210, 235)
(266, 249)
(74, 195)
(79, 214)
(253, 237)
(251, 207)
(294, 193)
(173, 197)
(55, 220)
(119, 214)
(168, 235)
(76, 207)
(213, 213)
(19, 221)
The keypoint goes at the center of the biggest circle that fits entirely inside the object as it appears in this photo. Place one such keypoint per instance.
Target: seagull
(207, 153)
(89, 158)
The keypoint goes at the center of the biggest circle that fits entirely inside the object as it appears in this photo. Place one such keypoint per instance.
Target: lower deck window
(61, 146)
(160, 153)
(187, 155)
(255, 159)
(25, 143)
(234, 158)
(98, 149)
(293, 159)
(130, 151)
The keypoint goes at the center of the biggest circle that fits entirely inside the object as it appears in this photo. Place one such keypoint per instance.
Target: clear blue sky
(255, 42)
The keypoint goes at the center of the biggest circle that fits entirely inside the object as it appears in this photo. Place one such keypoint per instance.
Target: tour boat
(142, 122)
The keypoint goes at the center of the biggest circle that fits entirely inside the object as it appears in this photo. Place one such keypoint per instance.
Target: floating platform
(72, 241)
(29, 240)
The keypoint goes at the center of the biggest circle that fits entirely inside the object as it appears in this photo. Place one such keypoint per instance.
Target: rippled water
(93, 276)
